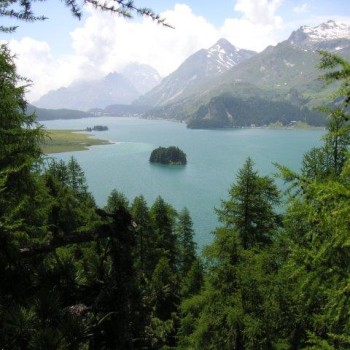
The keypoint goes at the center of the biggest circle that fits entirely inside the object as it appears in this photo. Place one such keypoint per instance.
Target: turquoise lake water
(213, 156)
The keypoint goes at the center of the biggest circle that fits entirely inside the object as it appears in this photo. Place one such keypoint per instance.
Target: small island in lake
(97, 128)
(168, 155)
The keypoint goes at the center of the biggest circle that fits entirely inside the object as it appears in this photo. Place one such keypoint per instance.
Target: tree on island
(171, 156)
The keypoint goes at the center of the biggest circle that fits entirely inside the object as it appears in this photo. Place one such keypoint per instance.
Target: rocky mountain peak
(329, 35)
(142, 76)
(328, 31)
(223, 45)
(194, 71)
(223, 55)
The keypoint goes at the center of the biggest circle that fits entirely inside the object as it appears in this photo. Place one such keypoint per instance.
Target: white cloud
(105, 43)
(258, 25)
(111, 42)
(262, 12)
(35, 62)
(301, 9)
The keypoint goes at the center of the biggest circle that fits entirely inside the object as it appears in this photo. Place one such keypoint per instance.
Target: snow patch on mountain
(331, 36)
(202, 65)
(288, 64)
(327, 31)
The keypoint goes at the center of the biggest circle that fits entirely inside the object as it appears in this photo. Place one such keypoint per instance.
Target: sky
(60, 50)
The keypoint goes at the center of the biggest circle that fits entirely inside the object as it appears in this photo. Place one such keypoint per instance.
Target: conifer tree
(187, 246)
(145, 237)
(234, 308)
(163, 219)
(316, 231)
(250, 207)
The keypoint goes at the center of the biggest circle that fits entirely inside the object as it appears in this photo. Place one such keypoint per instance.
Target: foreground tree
(235, 308)
(316, 230)
(250, 207)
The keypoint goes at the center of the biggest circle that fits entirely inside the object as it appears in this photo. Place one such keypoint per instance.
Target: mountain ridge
(114, 88)
(195, 71)
(285, 73)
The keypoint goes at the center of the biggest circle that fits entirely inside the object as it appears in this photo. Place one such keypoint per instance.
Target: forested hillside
(127, 276)
(227, 111)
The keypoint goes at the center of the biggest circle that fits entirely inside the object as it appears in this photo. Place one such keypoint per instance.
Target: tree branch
(119, 225)
(22, 10)
(79, 237)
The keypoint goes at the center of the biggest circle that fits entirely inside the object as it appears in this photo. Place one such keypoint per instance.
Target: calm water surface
(214, 157)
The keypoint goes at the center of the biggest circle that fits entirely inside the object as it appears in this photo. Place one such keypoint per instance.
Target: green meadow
(58, 141)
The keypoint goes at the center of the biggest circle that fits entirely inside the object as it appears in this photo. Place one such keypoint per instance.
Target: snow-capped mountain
(286, 73)
(142, 76)
(330, 36)
(115, 88)
(194, 71)
(223, 56)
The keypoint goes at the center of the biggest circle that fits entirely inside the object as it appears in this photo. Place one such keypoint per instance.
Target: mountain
(121, 110)
(142, 76)
(286, 73)
(51, 114)
(194, 72)
(330, 36)
(291, 66)
(115, 88)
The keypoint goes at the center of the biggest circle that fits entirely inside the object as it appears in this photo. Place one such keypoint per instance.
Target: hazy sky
(61, 49)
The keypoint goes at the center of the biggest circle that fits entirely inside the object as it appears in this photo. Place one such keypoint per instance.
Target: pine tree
(250, 207)
(187, 246)
(145, 260)
(316, 232)
(236, 309)
(163, 219)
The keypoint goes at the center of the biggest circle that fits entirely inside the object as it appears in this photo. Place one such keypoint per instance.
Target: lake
(213, 156)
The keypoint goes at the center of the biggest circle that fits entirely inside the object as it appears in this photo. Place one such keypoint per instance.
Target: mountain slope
(330, 36)
(115, 88)
(194, 72)
(51, 114)
(286, 73)
(142, 76)
(292, 64)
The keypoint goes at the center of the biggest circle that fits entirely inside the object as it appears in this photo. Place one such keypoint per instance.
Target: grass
(69, 141)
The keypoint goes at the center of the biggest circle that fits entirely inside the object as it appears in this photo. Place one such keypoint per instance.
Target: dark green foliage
(145, 238)
(250, 208)
(187, 247)
(168, 155)
(97, 128)
(236, 308)
(128, 276)
(50, 114)
(163, 220)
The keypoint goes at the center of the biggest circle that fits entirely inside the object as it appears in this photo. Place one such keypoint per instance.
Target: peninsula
(69, 141)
